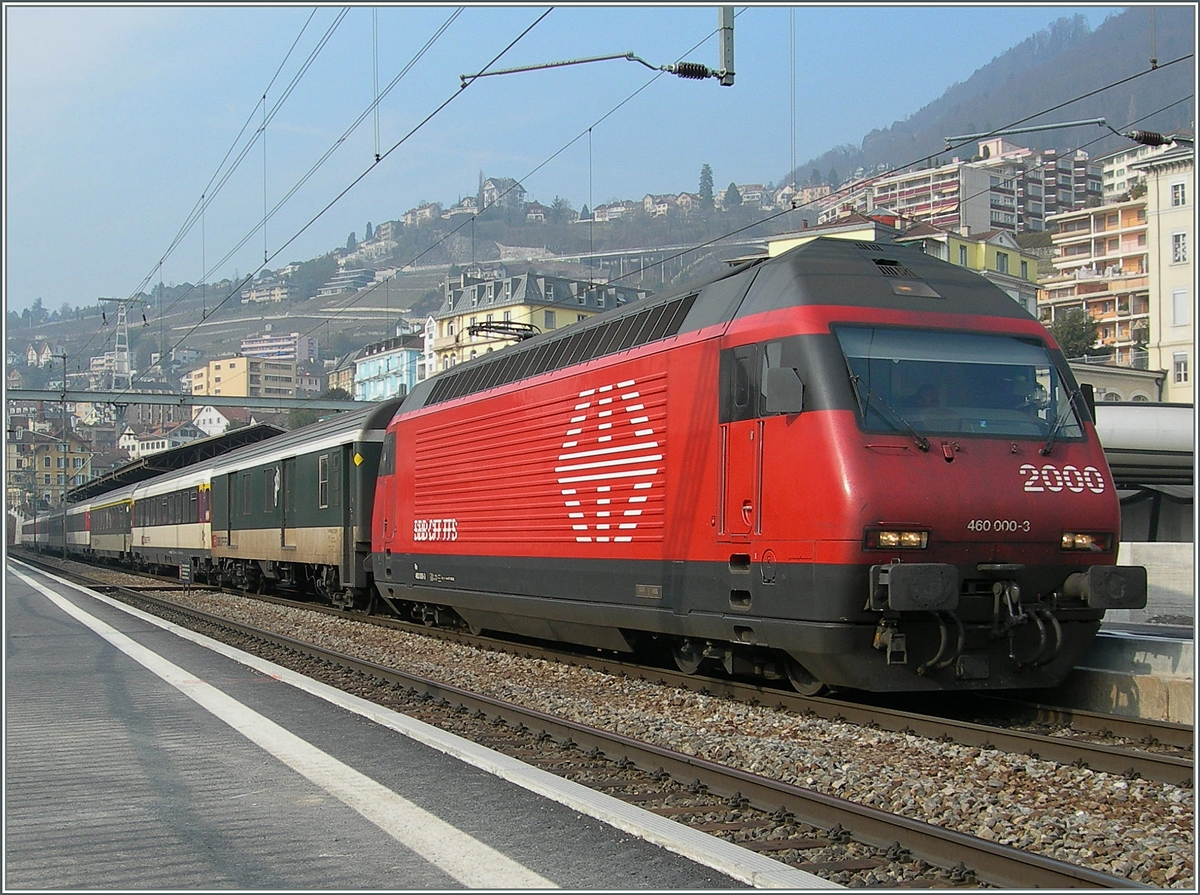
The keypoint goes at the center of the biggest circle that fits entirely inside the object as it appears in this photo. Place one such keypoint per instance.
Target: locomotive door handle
(747, 511)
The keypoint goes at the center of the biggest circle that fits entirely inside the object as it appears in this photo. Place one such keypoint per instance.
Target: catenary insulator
(1149, 138)
(693, 70)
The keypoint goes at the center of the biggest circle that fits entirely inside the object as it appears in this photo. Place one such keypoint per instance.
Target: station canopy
(173, 459)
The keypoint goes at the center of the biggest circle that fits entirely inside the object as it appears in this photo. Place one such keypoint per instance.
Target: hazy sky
(119, 119)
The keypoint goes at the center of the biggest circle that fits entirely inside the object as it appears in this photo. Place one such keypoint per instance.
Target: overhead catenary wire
(237, 288)
(869, 180)
(213, 187)
(315, 167)
(750, 226)
(756, 223)
(586, 132)
(304, 179)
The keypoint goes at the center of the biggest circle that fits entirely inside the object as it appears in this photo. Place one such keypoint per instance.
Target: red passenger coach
(851, 465)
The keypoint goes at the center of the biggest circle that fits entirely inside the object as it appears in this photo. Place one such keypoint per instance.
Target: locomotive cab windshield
(949, 383)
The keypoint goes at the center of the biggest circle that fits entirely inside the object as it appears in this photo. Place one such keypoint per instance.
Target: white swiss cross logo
(608, 463)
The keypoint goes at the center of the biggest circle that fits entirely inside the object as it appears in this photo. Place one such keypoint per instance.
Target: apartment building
(245, 377)
(42, 466)
(1170, 179)
(390, 368)
(1102, 265)
(994, 255)
(281, 346)
(965, 197)
(480, 316)
(1003, 187)
(1117, 174)
(267, 291)
(347, 281)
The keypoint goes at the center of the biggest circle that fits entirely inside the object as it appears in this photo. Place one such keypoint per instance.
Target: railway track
(832, 837)
(1135, 748)
(1132, 747)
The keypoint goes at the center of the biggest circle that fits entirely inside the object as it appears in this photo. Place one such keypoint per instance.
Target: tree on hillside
(833, 177)
(370, 232)
(585, 213)
(351, 243)
(310, 276)
(733, 197)
(1075, 332)
(560, 211)
(706, 187)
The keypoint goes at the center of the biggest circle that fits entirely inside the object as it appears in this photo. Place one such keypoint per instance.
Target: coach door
(741, 445)
(385, 500)
(287, 533)
(236, 486)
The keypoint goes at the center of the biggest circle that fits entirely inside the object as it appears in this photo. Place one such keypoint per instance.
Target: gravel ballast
(1132, 828)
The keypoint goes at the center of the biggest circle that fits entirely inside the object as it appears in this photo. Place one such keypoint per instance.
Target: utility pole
(63, 451)
(122, 375)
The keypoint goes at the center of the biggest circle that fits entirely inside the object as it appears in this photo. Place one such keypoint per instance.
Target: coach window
(270, 489)
(245, 494)
(323, 481)
(335, 485)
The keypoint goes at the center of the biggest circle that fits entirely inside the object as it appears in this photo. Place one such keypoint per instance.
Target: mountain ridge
(1050, 75)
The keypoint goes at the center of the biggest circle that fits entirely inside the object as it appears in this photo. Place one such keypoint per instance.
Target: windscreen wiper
(1058, 423)
(921, 440)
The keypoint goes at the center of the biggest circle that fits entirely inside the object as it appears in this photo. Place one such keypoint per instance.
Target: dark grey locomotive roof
(825, 271)
(876, 275)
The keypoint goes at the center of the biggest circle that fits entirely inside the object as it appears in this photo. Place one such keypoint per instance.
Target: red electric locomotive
(852, 465)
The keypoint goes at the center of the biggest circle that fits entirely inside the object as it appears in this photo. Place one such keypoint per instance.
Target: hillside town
(1060, 233)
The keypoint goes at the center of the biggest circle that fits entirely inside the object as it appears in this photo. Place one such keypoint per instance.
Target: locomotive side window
(323, 481)
(245, 494)
(757, 380)
(739, 383)
(952, 383)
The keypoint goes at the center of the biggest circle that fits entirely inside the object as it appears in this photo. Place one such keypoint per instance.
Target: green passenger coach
(283, 512)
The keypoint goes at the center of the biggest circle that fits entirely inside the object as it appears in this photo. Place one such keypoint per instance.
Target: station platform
(142, 756)
(1136, 670)
(1142, 664)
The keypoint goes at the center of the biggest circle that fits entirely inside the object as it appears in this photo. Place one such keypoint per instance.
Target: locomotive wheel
(802, 681)
(688, 658)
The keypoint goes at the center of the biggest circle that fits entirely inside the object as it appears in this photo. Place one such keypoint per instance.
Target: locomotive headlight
(1093, 542)
(893, 539)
